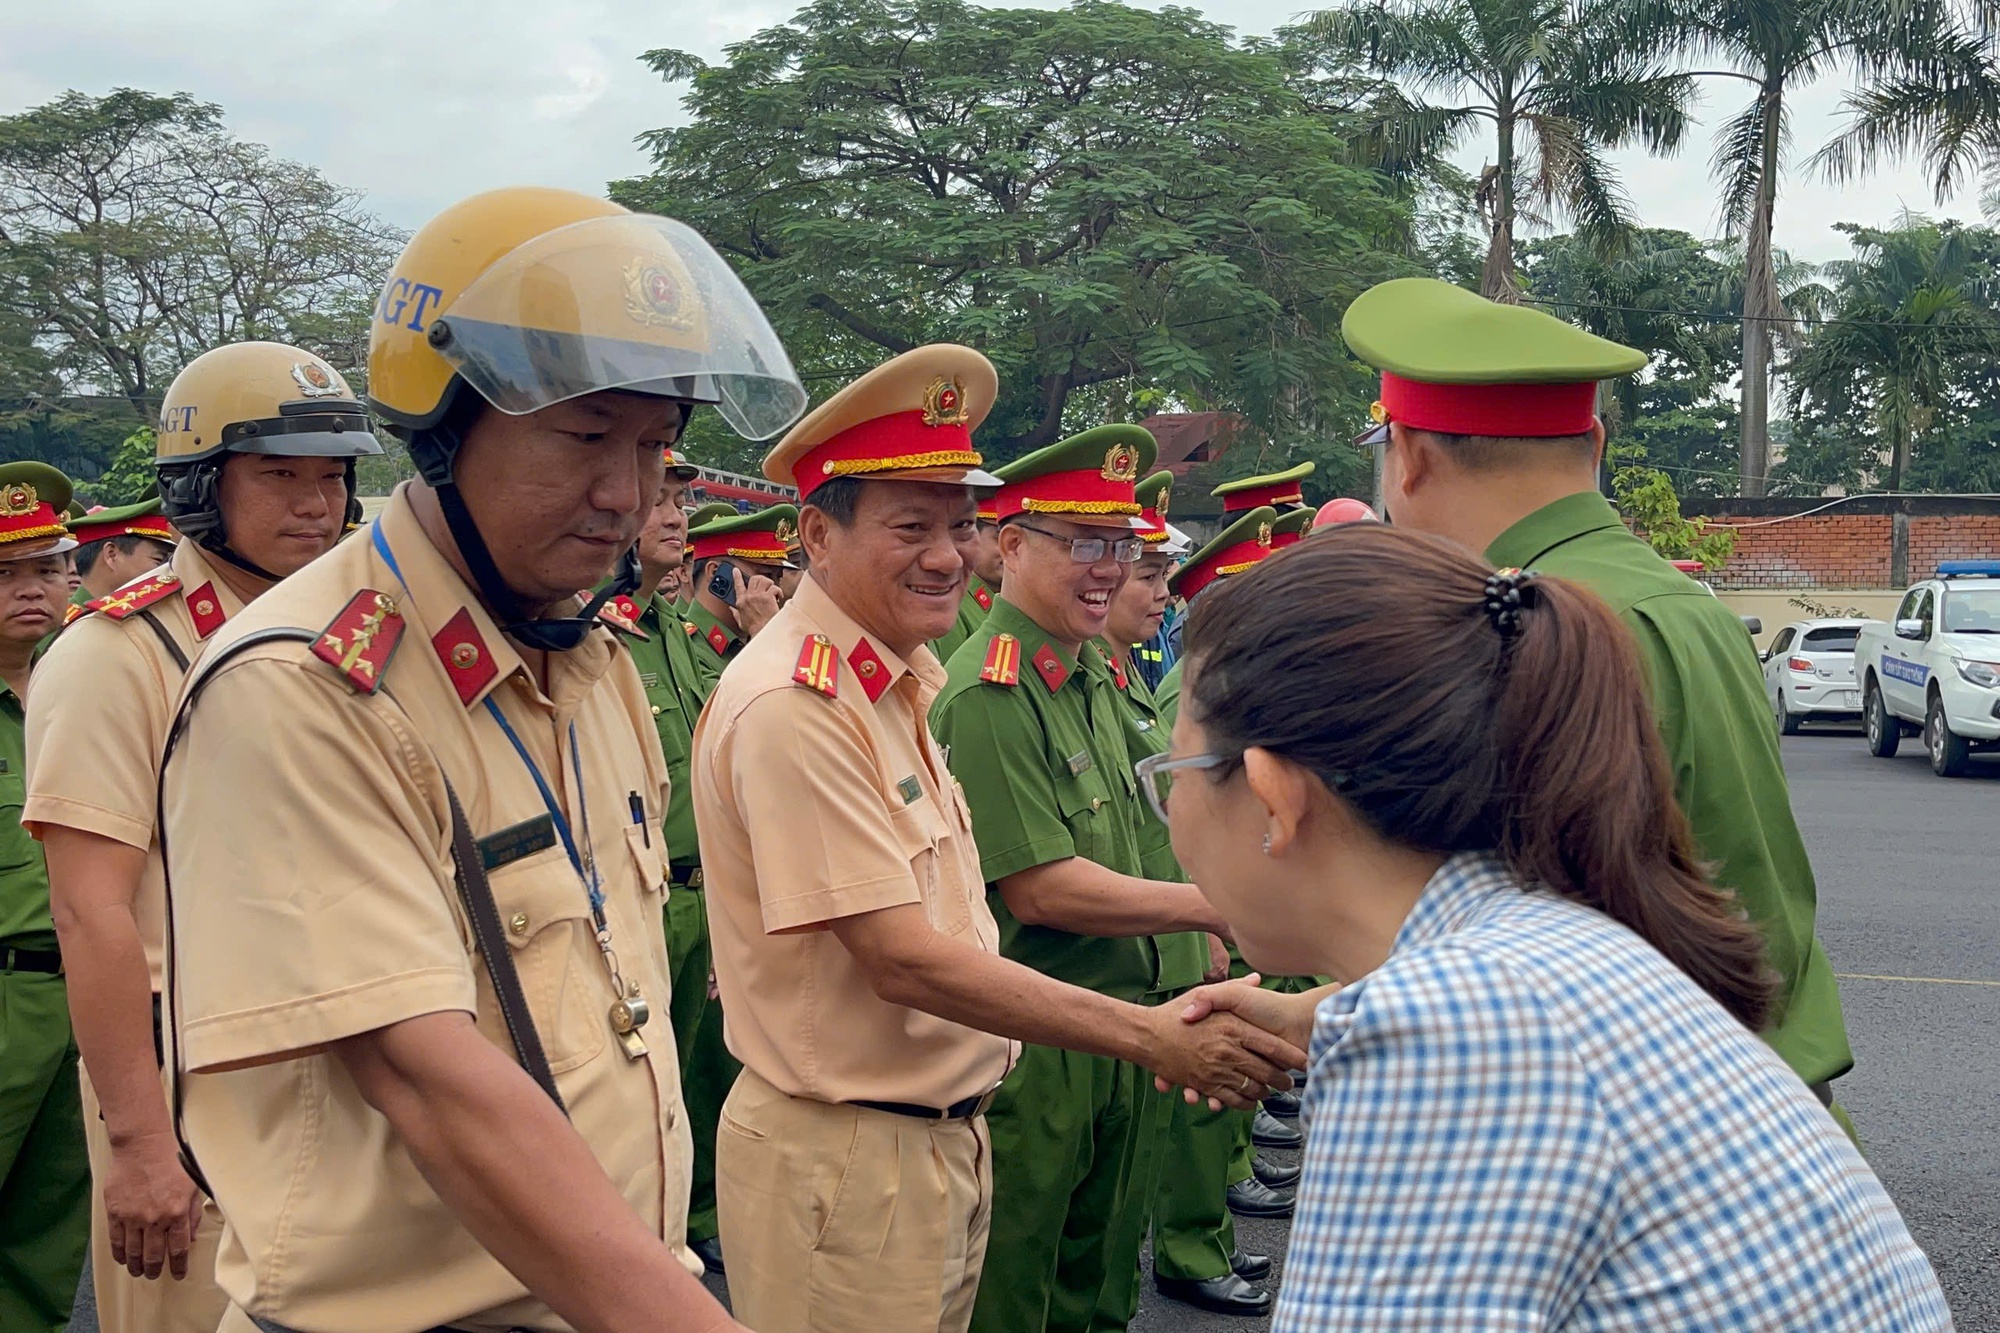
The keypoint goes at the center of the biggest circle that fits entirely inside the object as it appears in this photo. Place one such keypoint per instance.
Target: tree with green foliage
(1095, 196)
(1915, 308)
(129, 478)
(1557, 84)
(1922, 80)
(136, 233)
(1647, 499)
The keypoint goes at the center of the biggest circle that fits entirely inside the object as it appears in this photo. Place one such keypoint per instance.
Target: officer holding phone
(738, 562)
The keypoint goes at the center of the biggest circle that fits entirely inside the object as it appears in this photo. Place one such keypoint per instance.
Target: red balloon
(1343, 510)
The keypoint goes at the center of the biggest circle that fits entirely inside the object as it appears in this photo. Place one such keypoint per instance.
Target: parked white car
(1937, 668)
(1809, 673)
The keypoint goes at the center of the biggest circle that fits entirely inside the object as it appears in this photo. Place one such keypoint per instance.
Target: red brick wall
(1836, 550)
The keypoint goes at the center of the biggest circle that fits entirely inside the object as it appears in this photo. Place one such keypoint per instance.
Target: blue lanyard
(591, 884)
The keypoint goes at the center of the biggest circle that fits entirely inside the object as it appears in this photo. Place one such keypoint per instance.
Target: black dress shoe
(1277, 1177)
(1228, 1294)
(1284, 1105)
(1267, 1131)
(1249, 1198)
(709, 1252)
(1250, 1267)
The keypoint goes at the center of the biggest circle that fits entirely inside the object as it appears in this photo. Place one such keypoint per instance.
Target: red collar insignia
(205, 608)
(468, 662)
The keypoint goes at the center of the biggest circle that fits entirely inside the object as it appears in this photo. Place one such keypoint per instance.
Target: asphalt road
(1910, 914)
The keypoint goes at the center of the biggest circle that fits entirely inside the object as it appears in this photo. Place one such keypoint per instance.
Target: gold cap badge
(944, 403)
(1263, 534)
(1121, 463)
(19, 499)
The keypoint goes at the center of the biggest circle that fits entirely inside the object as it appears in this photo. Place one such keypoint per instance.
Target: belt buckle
(985, 1103)
(694, 878)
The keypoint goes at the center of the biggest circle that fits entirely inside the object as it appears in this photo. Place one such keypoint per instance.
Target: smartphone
(722, 583)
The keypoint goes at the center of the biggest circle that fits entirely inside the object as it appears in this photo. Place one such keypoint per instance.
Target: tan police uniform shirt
(104, 696)
(812, 808)
(308, 838)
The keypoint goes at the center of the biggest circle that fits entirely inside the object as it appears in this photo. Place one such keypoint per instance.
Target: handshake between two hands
(1231, 1042)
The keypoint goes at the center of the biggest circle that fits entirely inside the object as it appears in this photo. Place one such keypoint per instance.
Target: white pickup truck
(1936, 670)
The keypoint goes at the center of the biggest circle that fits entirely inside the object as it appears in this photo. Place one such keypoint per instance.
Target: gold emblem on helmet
(654, 297)
(19, 500)
(1263, 534)
(944, 403)
(314, 380)
(1121, 464)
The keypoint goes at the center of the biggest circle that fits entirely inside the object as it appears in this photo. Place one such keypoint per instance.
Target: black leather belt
(971, 1108)
(47, 961)
(684, 877)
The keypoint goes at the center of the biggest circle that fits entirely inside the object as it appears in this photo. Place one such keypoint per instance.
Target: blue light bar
(1969, 568)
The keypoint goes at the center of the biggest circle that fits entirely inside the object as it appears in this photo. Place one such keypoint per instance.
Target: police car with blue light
(1935, 671)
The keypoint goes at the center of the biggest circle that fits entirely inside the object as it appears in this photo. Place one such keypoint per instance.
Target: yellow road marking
(1928, 981)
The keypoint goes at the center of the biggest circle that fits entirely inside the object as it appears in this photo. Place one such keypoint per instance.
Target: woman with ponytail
(1536, 1098)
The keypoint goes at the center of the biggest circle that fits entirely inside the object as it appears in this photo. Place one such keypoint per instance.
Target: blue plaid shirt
(1527, 1118)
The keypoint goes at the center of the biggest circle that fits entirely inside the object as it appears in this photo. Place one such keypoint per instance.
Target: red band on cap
(1084, 491)
(1511, 411)
(1280, 540)
(148, 525)
(884, 444)
(1229, 560)
(759, 545)
(1256, 497)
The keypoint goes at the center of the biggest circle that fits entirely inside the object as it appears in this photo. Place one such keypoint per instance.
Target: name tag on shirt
(1079, 763)
(650, 679)
(516, 841)
(909, 789)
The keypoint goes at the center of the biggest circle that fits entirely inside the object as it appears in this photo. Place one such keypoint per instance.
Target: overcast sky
(420, 102)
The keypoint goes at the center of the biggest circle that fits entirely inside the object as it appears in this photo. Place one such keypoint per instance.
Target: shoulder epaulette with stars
(1003, 661)
(135, 597)
(361, 639)
(622, 613)
(819, 666)
(74, 612)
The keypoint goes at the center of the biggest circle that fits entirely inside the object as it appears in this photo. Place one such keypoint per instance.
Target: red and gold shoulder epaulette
(819, 666)
(984, 598)
(74, 611)
(135, 596)
(1003, 661)
(622, 613)
(362, 639)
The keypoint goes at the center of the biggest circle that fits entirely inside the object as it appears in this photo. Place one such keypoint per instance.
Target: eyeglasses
(1090, 550)
(1156, 775)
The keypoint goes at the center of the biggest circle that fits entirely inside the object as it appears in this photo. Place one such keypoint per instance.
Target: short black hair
(839, 498)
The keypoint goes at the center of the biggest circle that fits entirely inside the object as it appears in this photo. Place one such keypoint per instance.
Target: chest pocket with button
(1087, 811)
(563, 973)
(920, 829)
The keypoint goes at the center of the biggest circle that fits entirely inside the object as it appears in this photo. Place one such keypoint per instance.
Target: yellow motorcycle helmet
(521, 298)
(532, 296)
(250, 398)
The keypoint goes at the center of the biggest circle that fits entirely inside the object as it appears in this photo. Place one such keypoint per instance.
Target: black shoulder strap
(166, 639)
(475, 893)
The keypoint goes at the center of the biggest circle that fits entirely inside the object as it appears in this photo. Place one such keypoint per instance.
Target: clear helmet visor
(627, 302)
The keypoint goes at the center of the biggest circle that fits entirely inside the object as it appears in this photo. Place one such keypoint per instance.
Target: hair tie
(1508, 593)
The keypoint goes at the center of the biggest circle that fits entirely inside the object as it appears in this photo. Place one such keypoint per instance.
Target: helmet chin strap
(248, 566)
(557, 634)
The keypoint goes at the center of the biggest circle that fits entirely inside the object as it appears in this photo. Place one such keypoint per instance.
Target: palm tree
(1912, 308)
(1560, 82)
(1923, 81)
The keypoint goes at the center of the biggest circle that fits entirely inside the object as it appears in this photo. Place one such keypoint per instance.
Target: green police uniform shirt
(1708, 698)
(712, 643)
(1184, 954)
(1168, 697)
(1045, 768)
(972, 608)
(25, 920)
(676, 689)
